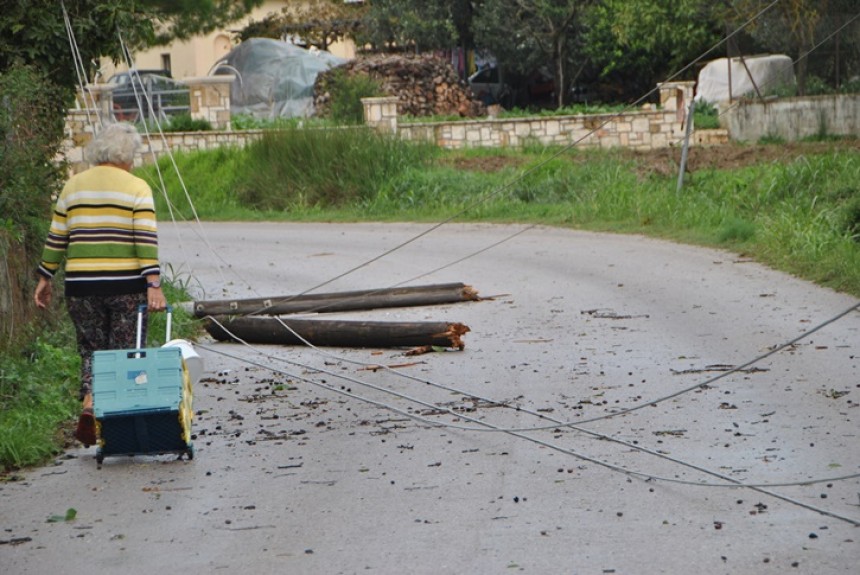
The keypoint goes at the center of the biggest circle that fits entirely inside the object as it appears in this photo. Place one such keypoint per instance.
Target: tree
(418, 25)
(37, 76)
(793, 27)
(30, 138)
(318, 23)
(525, 34)
(33, 31)
(637, 44)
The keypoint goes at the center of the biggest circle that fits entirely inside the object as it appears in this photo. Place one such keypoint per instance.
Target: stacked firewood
(423, 84)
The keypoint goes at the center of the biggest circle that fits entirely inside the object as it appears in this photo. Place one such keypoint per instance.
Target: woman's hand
(43, 293)
(155, 297)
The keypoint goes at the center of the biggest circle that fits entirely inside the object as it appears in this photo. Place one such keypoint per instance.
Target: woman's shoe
(86, 431)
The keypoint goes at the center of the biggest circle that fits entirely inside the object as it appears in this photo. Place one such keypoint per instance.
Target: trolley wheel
(100, 457)
(190, 452)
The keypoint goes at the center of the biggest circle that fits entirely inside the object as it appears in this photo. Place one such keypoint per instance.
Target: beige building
(195, 57)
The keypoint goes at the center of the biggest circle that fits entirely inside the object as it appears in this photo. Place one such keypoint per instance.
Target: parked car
(493, 86)
(134, 89)
(489, 86)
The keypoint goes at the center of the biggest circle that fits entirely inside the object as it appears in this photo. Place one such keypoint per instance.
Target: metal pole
(685, 149)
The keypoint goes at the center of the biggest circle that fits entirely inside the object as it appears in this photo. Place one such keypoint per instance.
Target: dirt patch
(665, 161)
(485, 164)
(733, 156)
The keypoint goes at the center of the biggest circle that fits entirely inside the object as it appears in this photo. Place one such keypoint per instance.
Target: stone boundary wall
(794, 118)
(644, 129)
(79, 131)
(641, 129)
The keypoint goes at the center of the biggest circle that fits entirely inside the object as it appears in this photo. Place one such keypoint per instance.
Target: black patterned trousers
(104, 322)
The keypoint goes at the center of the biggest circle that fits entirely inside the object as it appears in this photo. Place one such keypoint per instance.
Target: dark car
(137, 89)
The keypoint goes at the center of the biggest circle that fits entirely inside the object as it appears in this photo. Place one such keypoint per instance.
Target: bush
(705, 116)
(816, 86)
(316, 167)
(185, 123)
(852, 86)
(31, 129)
(346, 93)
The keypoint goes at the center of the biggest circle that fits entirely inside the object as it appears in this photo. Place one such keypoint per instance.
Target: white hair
(114, 144)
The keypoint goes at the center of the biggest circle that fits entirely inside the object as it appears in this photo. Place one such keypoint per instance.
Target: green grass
(572, 110)
(705, 116)
(801, 216)
(292, 170)
(38, 390)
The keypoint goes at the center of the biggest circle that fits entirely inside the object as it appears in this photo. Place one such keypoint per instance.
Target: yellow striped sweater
(104, 226)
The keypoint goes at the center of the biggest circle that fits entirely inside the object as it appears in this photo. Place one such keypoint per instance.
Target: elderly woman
(104, 228)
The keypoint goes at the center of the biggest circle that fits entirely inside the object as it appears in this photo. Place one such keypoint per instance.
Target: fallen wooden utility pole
(335, 333)
(343, 301)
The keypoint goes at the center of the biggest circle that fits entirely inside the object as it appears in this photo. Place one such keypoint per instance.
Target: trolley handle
(140, 309)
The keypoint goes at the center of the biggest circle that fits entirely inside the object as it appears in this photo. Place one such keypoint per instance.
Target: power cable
(616, 468)
(523, 174)
(80, 69)
(518, 434)
(767, 82)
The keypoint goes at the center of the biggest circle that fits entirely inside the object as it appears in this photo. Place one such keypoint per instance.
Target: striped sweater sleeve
(146, 233)
(56, 243)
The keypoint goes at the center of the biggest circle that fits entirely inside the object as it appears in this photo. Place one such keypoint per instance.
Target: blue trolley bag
(142, 399)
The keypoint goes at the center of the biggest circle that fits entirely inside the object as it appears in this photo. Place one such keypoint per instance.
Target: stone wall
(645, 129)
(209, 99)
(794, 118)
(80, 128)
(639, 130)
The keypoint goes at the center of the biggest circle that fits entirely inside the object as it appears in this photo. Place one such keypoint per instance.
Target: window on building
(165, 63)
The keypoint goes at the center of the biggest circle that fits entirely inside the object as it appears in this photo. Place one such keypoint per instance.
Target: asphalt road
(296, 471)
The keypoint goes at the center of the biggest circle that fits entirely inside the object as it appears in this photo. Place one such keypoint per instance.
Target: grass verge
(797, 212)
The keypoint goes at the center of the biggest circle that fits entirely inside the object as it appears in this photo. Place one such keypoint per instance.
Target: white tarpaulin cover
(273, 78)
(768, 72)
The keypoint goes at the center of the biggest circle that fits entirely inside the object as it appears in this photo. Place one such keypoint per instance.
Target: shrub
(346, 93)
(705, 116)
(316, 167)
(31, 125)
(185, 123)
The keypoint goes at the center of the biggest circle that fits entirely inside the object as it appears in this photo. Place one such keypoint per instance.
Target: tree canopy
(317, 23)
(33, 32)
(798, 28)
(417, 25)
(637, 44)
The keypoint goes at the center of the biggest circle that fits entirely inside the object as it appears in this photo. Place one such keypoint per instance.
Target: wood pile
(423, 84)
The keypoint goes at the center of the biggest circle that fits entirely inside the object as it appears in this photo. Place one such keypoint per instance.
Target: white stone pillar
(381, 113)
(210, 99)
(676, 97)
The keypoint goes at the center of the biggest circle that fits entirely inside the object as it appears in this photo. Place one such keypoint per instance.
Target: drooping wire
(80, 68)
(524, 173)
(760, 488)
(650, 403)
(470, 206)
(791, 64)
(161, 184)
(561, 424)
(557, 424)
